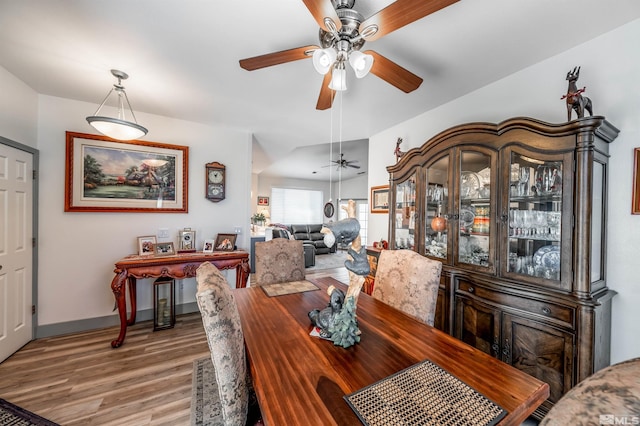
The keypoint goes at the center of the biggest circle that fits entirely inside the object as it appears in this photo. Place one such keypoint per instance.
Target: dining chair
(279, 260)
(409, 282)
(609, 396)
(222, 326)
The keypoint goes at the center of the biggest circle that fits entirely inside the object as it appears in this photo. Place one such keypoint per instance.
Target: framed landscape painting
(105, 175)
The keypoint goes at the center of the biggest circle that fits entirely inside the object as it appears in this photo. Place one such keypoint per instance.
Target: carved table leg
(133, 291)
(242, 273)
(118, 291)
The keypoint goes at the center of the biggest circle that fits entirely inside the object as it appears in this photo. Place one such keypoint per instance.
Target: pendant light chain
(340, 165)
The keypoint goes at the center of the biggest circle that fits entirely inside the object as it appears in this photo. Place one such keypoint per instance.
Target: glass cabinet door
(474, 215)
(405, 220)
(535, 216)
(437, 208)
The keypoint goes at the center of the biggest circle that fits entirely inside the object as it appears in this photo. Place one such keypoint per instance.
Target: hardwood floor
(80, 380)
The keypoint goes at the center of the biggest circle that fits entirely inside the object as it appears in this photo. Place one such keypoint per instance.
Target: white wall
(610, 71)
(78, 250)
(18, 110)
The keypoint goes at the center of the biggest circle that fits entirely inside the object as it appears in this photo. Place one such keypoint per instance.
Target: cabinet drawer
(549, 310)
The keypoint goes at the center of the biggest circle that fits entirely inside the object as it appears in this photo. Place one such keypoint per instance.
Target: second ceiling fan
(343, 32)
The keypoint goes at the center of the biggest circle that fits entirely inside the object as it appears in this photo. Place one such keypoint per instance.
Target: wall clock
(215, 180)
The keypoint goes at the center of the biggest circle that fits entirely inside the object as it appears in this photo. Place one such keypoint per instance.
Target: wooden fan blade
(321, 9)
(393, 73)
(326, 95)
(277, 58)
(352, 166)
(401, 13)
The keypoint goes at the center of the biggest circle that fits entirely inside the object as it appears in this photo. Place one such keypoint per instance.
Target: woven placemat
(423, 394)
(290, 287)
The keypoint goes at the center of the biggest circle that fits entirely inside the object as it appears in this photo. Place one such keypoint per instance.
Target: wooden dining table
(300, 379)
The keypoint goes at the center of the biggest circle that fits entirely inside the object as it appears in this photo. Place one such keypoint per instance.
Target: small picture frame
(164, 249)
(263, 201)
(208, 246)
(146, 245)
(380, 199)
(635, 196)
(225, 242)
(186, 241)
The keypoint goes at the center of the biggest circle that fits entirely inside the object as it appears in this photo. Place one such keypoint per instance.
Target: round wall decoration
(329, 210)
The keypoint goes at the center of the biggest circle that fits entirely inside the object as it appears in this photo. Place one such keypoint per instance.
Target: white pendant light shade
(117, 128)
(323, 59)
(361, 63)
(338, 79)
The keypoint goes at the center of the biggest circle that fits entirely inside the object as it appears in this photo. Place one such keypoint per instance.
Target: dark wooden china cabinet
(516, 212)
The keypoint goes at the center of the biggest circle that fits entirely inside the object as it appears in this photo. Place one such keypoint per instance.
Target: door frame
(34, 222)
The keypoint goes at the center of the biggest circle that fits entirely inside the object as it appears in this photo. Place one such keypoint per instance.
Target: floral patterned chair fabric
(279, 261)
(409, 282)
(610, 396)
(222, 326)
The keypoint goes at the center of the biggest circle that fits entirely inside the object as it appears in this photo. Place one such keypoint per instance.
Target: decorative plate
(548, 256)
(466, 217)
(469, 185)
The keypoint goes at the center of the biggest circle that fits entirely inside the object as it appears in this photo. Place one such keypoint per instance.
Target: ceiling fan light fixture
(361, 63)
(117, 128)
(323, 59)
(338, 79)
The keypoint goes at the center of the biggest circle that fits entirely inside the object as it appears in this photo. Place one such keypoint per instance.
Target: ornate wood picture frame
(635, 203)
(379, 199)
(106, 175)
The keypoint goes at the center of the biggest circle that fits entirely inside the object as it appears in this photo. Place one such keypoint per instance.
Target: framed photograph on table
(379, 199)
(186, 241)
(146, 245)
(208, 246)
(225, 242)
(164, 249)
(106, 175)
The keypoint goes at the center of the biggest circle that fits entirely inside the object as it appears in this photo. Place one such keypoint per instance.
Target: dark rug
(12, 415)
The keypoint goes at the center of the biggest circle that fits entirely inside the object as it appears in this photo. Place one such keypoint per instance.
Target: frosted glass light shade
(323, 59)
(361, 63)
(338, 79)
(117, 129)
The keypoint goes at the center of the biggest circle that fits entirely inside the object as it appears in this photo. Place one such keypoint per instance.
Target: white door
(16, 234)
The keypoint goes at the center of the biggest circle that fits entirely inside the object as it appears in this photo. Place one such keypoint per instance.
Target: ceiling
(182, 57)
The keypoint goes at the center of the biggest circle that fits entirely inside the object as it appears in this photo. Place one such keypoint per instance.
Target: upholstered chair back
(222, 326)
(409, 282)
(278, 261)
(610, 396)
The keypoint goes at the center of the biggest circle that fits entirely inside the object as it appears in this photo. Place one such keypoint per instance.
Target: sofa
(309, 234)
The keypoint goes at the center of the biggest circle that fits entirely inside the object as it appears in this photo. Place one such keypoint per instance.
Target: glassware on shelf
(548, 179)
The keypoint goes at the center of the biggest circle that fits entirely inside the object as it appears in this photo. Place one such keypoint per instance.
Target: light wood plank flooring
(80, 380)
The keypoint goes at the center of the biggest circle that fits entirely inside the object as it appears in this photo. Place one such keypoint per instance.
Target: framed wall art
(635, 203)
(379, 199)
(164, 249)
(105, 175)
(225, 242)
(263, 201)
(146, 245)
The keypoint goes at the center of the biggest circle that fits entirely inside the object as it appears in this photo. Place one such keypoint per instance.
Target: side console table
(180, 266)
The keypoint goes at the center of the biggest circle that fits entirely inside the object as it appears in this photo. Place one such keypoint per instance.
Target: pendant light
(117, 128)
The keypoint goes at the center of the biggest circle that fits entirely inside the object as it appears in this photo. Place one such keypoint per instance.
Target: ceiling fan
(343, 163)
(343, 32)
